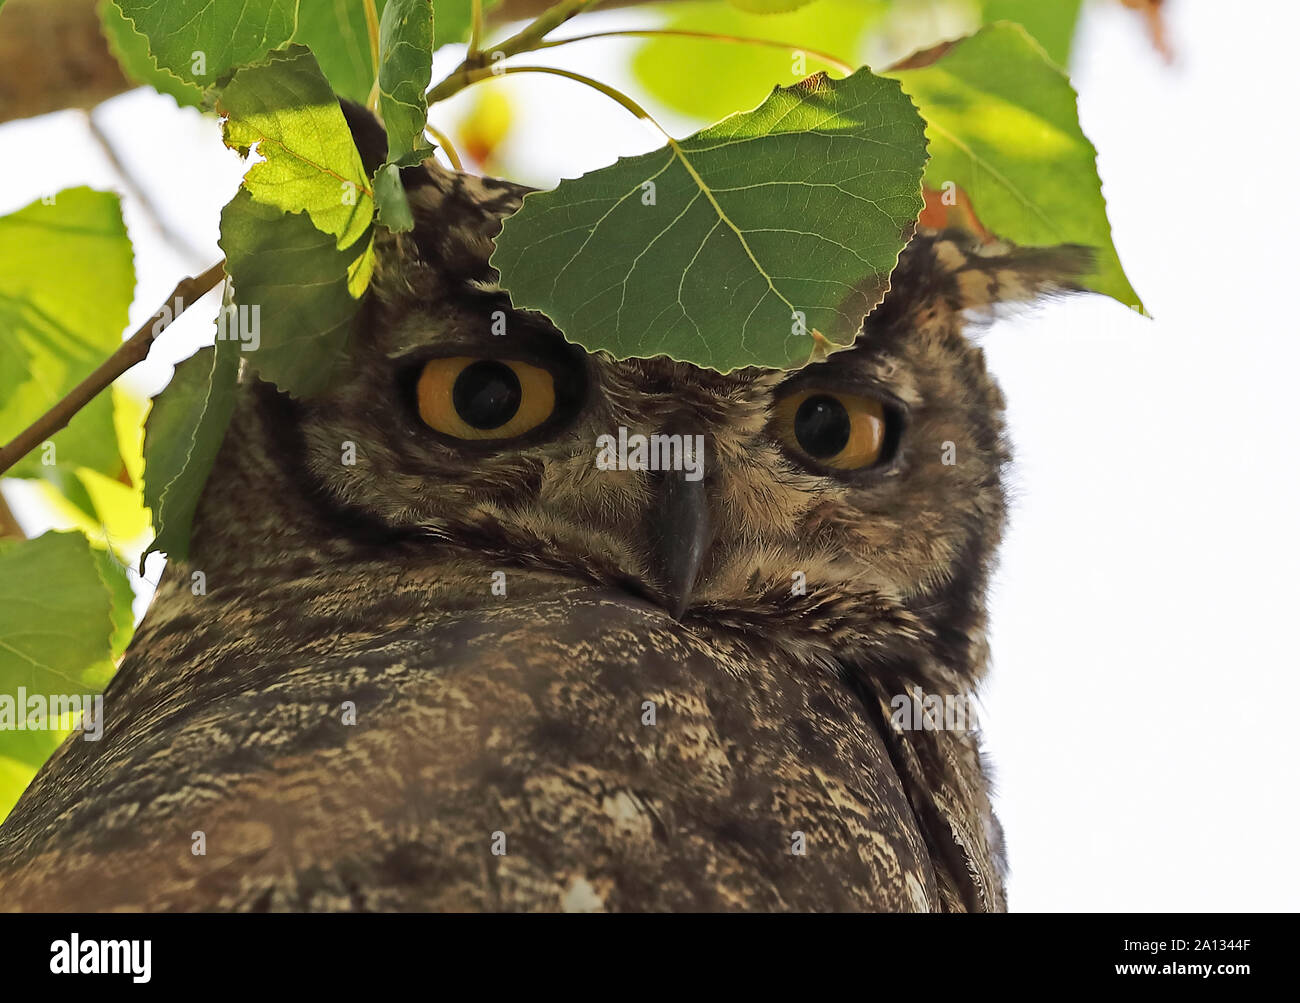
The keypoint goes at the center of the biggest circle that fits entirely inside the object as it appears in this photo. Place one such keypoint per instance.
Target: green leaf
(110, 511)
(292, 273)
(394, 209)
(1003, 124)
(709, 80)
(118, 583)
(15, 773)
(794, 212)
(1052, 24)
(56, 615)
(770, 6)
(51, 340)
(452, 18)
(202, 40)
(336, 32)
(131, 50)
(182, 435)
(286, 107)
(405, 65)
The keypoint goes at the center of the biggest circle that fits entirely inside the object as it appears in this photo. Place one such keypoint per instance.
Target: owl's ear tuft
(952, 271)
(367, 132)
(988, 274)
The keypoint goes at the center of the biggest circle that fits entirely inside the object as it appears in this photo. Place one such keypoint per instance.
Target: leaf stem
(475, 26)
(833, 61)
(372, 29)
(525, 40)
(606, 89)
(131, 351)
(444, 144)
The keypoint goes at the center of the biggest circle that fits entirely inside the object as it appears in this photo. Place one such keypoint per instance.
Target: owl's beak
(681, 533)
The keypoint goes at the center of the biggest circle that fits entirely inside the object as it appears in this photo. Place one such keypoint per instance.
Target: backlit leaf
(1004, 127)
(66, 281)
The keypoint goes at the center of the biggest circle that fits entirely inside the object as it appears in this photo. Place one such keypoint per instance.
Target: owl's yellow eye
(838, 430)
(471, 398)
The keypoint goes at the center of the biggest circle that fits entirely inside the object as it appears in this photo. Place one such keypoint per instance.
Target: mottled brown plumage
(480, 716)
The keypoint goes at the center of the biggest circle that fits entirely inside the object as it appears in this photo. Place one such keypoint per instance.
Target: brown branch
(53, 56)
(133, 350)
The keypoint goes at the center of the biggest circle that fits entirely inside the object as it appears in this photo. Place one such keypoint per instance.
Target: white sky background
(1144, 671)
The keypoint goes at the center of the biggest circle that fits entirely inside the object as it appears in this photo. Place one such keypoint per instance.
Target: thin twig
(372, 29)
(475, 26)
(525, 40)
(444, 144)
(131, 351)
(825, 57)
(493, 71)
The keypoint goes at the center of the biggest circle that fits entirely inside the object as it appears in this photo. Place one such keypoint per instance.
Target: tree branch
(131, 351)
(53, 55)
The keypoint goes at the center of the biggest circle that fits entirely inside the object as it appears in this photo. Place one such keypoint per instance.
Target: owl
(496, 623)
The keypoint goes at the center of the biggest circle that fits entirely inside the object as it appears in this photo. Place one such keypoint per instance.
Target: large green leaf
(1003, 125)
(292, 273)
(709, 79)
(182, 436)
(286, 107)
(764, 231)
(770, 6)
(131, 50)
(202, 40)
(56, 616)
(405, 64)
(337, 34)
(65, 615)
(51, 339)
(1052, 24)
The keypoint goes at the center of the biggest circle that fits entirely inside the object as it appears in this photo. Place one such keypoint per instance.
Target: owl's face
(864, 487)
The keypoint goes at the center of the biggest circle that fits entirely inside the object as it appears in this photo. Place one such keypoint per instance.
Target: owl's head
(854, 503)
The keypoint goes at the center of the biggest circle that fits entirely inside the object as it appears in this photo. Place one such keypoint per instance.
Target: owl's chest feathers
(602, 739)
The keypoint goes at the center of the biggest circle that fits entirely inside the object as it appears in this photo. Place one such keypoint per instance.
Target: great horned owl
(475, 669)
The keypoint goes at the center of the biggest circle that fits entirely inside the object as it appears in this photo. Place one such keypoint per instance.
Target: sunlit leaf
(66, 281)
(286, 107)
(770, 6)
(1004, 126)
(746, 244)
(56, 615)
(709, 79)
(108, 510)
(1052, 24)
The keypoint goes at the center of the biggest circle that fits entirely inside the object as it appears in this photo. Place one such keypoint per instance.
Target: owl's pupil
(486, 394)
(822, 426)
